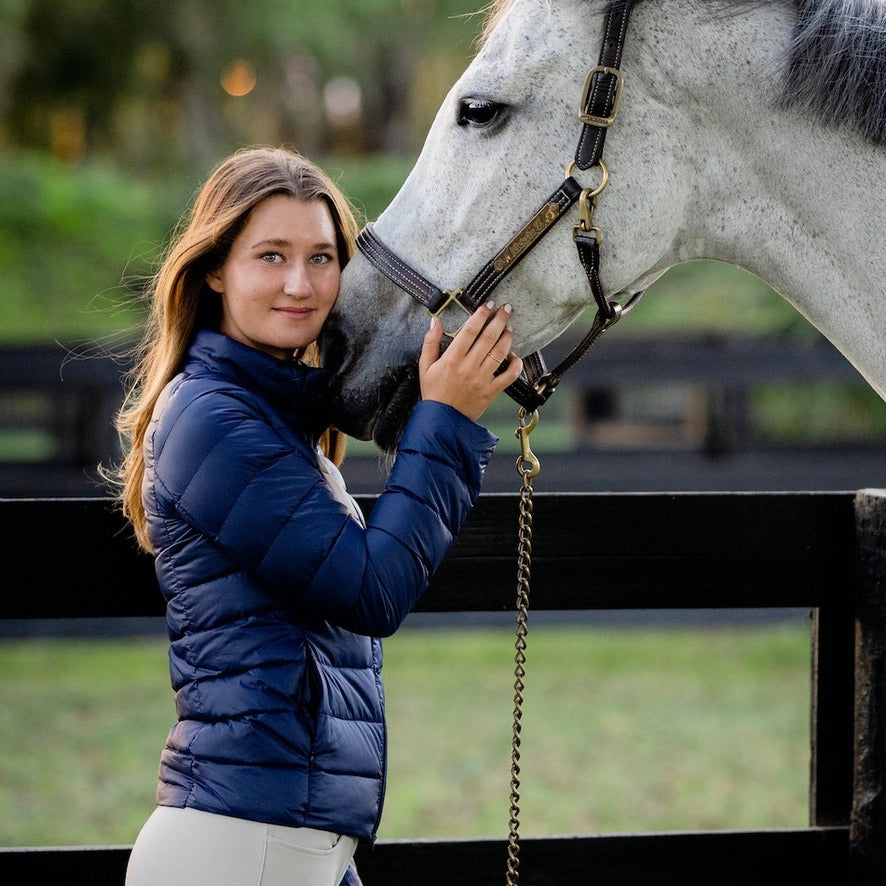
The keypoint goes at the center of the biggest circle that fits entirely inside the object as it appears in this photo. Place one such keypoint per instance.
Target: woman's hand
(466, 375)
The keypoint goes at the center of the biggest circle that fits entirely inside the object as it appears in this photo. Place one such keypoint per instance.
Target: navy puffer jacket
(275, 592)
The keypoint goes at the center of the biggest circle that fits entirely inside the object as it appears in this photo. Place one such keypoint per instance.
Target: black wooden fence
(824, 551)
(63, 404)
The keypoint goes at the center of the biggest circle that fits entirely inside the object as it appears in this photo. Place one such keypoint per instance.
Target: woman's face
(280, 279)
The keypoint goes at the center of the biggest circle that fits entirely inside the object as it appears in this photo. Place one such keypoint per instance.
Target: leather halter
(598, 109)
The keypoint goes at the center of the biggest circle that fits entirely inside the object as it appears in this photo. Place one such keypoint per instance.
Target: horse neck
(804, 207)
(799, 203)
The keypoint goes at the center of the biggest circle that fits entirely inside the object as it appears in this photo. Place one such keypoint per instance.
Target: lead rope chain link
(528, 467)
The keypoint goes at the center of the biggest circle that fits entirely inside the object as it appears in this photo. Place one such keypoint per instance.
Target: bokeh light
(239, 78)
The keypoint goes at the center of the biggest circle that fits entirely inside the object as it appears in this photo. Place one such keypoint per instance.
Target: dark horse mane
(834, 66)
(835, 63)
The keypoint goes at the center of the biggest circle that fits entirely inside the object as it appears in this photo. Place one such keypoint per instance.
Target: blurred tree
(76, 63)
(178, 82)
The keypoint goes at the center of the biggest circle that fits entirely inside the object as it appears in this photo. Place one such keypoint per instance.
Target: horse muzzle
(371, 358)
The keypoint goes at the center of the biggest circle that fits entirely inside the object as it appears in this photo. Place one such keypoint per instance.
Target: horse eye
(479, 112)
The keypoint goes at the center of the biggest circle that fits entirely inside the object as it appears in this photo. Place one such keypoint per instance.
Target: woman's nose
(297, 280)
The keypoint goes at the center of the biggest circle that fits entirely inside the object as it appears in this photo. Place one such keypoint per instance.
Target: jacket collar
(298, 391)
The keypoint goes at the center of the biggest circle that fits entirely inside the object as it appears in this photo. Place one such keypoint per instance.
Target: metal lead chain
(528, 467)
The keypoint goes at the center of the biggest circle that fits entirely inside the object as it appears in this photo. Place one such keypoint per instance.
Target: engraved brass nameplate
(537, 225)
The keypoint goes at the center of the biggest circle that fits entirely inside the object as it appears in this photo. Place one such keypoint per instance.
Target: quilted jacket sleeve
(261, 498)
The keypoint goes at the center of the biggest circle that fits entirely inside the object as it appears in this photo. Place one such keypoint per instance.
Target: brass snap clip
(587, 204)
(528, 464)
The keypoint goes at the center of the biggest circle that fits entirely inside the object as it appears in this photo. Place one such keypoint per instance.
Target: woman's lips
(296, 312)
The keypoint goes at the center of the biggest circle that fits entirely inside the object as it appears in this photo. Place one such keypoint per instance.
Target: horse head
(710, 156)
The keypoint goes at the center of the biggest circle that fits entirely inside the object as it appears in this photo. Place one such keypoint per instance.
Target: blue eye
(478, 112)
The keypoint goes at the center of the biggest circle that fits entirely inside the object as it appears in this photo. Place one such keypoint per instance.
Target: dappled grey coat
(276, 592)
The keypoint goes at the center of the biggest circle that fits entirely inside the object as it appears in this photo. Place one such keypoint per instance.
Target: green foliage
(370, 182)
(78, 242)
(715, 296)
(819, 412)
(338, 32)
(142, 82)
(70, 238)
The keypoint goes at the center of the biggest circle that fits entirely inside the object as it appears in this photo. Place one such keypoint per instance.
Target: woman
(276, 589)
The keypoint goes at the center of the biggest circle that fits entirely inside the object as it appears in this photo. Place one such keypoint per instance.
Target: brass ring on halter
(604, 178)
(452, 298)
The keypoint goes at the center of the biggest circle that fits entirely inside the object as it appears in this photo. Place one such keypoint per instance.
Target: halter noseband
(599, 105)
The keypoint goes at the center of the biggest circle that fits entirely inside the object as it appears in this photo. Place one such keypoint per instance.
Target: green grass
(81, 725)
(623, 730)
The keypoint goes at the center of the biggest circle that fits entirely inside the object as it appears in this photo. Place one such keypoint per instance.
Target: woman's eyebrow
(270, 241)
(282, 241)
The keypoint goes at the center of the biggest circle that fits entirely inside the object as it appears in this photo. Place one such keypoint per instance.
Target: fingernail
(433, 320)
(508, 309)
(490, 304)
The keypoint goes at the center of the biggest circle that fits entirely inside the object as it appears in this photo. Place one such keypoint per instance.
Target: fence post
(868, 820)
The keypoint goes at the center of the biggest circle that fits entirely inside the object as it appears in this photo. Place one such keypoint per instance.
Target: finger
(497, 339)
(507, 374)
(430, 346)
(472, 328)
(496, 336)
(500, 352)
(494, 358)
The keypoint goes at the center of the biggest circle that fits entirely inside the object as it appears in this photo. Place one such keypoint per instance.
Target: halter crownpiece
(598, 109)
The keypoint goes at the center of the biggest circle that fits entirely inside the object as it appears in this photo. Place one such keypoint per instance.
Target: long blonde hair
(181, 303)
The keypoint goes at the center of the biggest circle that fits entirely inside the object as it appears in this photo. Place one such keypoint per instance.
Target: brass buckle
(451, 299)
(590, 119)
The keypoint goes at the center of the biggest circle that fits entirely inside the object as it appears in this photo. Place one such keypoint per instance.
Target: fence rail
(825, 551)
(62, 406)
